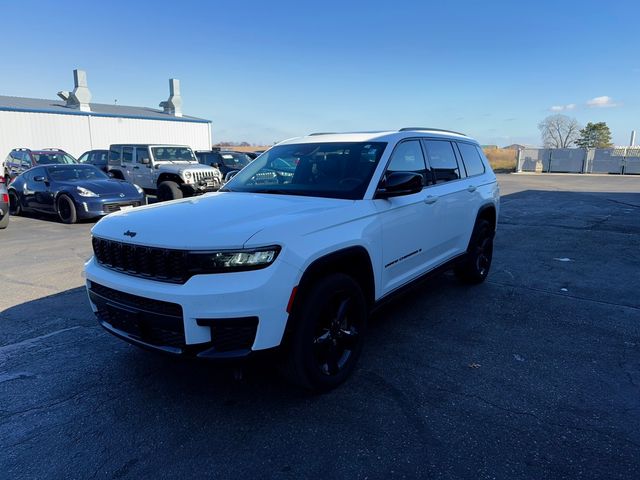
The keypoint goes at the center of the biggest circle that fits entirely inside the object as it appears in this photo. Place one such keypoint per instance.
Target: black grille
(231, 334)
(134, 301)
(115, 207)
(161, 264)
(151, 321)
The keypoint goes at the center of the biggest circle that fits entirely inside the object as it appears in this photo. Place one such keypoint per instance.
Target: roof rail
(409, 129)
(315, 134)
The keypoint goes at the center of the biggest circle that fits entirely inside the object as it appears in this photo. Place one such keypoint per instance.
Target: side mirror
(25, 164)
(216, 165)
(399, 183)
(230, 175)
(145, 161)
(39, 179)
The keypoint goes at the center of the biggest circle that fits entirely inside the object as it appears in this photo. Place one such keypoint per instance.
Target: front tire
(475, 268)
(329, 326)
(15, 208)
(67, 210)
(169, 191)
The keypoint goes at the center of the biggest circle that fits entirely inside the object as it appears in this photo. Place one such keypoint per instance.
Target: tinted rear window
(471, 158)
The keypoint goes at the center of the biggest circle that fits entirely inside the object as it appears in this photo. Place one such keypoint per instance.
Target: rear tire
(169, 191)
(475, 267)
(67, 210)
(14, 204)
(329, 324)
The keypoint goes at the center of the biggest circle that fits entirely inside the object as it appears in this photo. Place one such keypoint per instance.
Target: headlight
(139, 189)
(232, 260)
(187, 176)
(83, 192)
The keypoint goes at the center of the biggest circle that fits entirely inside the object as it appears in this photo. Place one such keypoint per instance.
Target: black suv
(22, 159)
(97, 158)
(226, 160)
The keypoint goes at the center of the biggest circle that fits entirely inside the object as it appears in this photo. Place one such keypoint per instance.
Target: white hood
(213, 221)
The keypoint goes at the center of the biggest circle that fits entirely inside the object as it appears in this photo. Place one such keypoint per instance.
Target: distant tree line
(561, 131)
(234, 144)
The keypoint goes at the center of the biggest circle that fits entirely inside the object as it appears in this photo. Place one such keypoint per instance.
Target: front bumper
(226, 316)
(201, 187)
(92, 207)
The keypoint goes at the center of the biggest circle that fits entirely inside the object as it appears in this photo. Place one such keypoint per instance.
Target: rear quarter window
(471, 159)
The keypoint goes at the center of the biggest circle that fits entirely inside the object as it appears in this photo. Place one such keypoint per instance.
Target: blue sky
(264, 71)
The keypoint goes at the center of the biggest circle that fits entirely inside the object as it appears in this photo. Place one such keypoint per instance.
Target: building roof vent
(173, 106)
(81, 95)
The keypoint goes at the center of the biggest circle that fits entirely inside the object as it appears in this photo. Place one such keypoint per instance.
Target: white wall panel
(79, 133)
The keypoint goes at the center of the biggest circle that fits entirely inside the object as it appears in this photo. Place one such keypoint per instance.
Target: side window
(114, 154)
(141, 153)
(127, 154)
(443, 160)
(19, 157)
(85, 157)
(408, 157)
(471, 159)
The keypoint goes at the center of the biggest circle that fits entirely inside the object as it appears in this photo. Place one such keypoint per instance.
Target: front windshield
(173, 154)
(235, 160)
(332, 170)
(78, 172)
(52, 158)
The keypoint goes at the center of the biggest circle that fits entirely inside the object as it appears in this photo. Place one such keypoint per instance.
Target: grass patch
(502, 160)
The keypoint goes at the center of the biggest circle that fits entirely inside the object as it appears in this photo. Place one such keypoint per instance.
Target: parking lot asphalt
(533, 374)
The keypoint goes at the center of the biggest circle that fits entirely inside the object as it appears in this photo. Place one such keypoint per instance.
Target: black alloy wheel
(476, 266)
(66, 210)
(330, 322)
(15, 208)
(337, 335)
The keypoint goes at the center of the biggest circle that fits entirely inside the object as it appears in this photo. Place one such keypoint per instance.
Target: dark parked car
(22, 159)
(72, 192)
(4, 205)
(97, 158)
(226, 160)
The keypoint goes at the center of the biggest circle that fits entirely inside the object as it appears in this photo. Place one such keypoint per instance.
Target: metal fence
(623, 160)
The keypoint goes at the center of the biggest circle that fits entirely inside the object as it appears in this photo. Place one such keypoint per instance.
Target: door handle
(431, 199)
(471, 188)
(136, 168)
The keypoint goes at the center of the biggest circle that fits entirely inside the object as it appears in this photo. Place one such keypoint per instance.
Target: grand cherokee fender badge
(129, 233)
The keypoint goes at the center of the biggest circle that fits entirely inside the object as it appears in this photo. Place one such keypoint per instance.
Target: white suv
(295, 251)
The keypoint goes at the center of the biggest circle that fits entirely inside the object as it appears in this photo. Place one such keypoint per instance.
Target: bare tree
(559, 131)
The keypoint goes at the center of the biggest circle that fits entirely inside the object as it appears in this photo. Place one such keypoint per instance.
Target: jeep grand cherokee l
(296, 249)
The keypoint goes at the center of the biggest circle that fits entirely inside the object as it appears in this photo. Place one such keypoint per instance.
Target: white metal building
(76, 125)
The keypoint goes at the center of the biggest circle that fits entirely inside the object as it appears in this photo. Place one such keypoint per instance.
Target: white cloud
(560, 108)
(602, 102)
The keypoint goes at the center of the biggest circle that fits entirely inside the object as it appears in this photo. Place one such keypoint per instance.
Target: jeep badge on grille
(129, 233)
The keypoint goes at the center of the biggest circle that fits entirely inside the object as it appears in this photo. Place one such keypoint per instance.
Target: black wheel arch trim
(344, 261)
(169, 177)
(488, 210)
